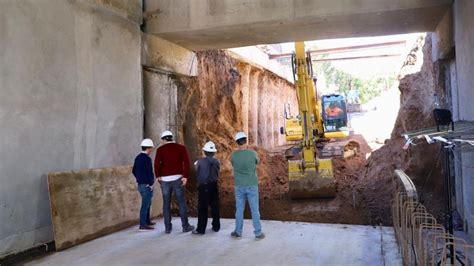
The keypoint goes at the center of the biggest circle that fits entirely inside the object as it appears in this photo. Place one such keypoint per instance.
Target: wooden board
(90, 203)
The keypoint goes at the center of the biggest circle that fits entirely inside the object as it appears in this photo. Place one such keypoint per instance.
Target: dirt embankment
(417, 88)
(230, 95)
(213, 107)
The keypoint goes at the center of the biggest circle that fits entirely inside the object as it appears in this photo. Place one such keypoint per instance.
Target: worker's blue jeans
(250, 194)
(147, 194)
(167, 188)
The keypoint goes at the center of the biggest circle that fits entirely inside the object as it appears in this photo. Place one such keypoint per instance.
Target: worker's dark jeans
(208, 197)
(167, 189)
(147, 194)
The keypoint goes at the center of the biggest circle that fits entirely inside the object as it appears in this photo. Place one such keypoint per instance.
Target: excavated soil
(422, 162)
(211, 109)
(275, 203)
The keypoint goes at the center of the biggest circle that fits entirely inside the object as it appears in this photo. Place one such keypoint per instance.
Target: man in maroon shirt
(172, 171)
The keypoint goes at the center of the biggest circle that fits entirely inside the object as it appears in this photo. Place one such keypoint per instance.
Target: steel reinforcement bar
(421, 240)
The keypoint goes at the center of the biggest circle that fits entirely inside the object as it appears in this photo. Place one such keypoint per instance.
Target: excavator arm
(309, 177)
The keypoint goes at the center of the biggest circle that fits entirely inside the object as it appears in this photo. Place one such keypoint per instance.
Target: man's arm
(186, 163)
(158, 163)
(149, 172)
(134, 168)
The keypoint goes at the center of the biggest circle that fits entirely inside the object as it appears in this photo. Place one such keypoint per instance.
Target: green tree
(368, 88)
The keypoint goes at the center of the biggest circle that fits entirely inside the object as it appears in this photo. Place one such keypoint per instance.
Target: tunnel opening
(231, 94)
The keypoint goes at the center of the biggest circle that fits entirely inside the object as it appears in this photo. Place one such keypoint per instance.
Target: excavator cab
(334, 113)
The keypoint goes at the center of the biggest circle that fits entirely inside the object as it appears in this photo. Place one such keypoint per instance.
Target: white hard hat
(166, 134)
(147, 143)
(240, 135)
(210, 147)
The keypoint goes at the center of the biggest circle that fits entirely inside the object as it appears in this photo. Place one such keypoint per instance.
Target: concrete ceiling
(211, 24)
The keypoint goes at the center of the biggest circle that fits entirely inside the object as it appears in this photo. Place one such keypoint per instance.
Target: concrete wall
(443, 37)
(90, 203)
(161, 100)
(464, 39)
(163, 63)
(70, 98)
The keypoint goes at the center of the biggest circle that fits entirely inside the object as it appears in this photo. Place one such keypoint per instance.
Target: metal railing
(421, 240)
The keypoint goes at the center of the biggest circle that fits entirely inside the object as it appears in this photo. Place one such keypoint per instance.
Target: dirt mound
(417, 88)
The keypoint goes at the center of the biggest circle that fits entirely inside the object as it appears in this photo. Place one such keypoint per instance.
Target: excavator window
(334, 113)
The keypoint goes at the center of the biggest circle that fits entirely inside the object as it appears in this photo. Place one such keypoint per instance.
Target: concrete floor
(287, 243)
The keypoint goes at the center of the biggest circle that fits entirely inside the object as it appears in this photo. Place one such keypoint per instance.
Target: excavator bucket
(311, 182)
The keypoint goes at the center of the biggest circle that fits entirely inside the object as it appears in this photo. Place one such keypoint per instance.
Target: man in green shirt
(244, 162)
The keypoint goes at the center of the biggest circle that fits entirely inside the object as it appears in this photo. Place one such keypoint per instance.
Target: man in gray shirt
(207, 175)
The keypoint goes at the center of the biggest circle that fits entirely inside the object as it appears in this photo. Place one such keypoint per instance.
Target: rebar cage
(421, 240)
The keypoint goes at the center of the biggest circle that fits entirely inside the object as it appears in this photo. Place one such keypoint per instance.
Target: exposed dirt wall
(417, 89)
(229, 96)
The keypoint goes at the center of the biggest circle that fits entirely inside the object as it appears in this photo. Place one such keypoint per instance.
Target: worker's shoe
(235, 235)
(188, 228)
(260, 237)
(215, 229)
(146, 228)
(196, 232)
(169, 229)
(151, 223)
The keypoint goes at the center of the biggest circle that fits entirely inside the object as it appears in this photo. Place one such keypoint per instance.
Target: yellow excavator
(318, 119)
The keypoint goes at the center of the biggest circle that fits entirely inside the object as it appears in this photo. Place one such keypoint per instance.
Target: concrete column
(269, 115)
(454, 90)
(279, 114)
(468, 186)
(458, 175)
(244, 85)
(268, 112)
(273, 119)
(262, 111)
(254, 110)
(464, 38)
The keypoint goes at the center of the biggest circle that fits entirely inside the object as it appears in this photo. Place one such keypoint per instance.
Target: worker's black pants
(208, 197)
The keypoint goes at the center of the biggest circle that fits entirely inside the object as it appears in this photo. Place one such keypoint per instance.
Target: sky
(364, 68)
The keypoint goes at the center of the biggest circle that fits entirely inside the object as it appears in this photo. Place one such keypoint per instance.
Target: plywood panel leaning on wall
(90, 203)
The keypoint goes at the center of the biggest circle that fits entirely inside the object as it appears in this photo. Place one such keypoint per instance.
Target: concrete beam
(209, 24)
(443, 37)
(259, 59)
(163, 55)
(129, 9)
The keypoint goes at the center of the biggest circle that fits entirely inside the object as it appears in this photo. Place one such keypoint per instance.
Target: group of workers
(172, 171)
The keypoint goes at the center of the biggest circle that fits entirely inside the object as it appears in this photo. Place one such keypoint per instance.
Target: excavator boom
(309, 177)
